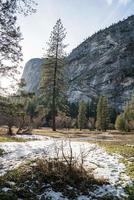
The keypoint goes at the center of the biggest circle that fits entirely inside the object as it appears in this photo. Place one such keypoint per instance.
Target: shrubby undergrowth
(35, 178)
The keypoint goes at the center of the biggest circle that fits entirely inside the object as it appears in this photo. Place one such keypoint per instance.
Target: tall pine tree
(82, 115)
(102, 114)
(53, 78)
(10, 36)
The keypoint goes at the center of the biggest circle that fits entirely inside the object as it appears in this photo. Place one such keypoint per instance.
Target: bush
(120, 123)
(74, 123)
(1, 152)
(63, 121)
(64, 173)
(111, 126)
(91, 123)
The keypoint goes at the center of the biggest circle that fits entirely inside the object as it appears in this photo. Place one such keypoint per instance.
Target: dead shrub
(67, 169)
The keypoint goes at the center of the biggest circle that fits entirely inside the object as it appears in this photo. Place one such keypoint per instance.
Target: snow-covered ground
(104, 165)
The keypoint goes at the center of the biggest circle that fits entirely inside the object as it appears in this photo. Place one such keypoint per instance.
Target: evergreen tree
(113, 114)
(120, 123)
(125, 121)
(82, 115)
(73, 109)
(102, 114)
(22, 111)
(12, 112)
(129, 110)
(88, 109)
(91, 108)
(99, 114)
(10, 36)
(53, 70)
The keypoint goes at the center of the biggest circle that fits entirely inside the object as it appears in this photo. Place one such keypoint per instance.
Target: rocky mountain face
(102, 65)
(32, 74)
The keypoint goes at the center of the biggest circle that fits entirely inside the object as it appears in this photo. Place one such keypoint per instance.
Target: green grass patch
(127, 151)
(130, 191)
(1, 152)
(11, 139)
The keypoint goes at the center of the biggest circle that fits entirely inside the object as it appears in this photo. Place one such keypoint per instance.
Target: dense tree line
(125, 121)
(22, 111)
(26, 111)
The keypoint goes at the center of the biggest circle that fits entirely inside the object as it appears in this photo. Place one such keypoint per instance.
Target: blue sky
(81, 18)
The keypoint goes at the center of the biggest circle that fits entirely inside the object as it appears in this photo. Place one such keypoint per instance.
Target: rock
(131, 159)
(11, 183)
(102, 64)
(32, 74)
(5, 189)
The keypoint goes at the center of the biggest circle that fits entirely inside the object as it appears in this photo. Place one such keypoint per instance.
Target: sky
(81, 18)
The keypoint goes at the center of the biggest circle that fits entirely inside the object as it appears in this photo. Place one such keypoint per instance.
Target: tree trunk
(20, 126)
(18, 131)
(9, 131)
(27, 131)
(54, 88)
(54, 125)
(54, 94)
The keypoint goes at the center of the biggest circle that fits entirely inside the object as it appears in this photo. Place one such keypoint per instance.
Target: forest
(52, 148)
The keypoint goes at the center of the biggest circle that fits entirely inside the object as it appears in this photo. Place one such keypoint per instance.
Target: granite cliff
(102, 64)
(32, 74)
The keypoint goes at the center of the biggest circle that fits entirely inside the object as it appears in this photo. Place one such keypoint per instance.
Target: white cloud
(109, 2)
(124, 2)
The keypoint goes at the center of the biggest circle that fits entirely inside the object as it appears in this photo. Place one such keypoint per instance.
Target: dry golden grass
(65, 132)
(106, 137)
(86, 135)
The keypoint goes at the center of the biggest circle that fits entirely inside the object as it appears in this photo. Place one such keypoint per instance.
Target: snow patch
(5, 189)
(52, 195)
(104, 166)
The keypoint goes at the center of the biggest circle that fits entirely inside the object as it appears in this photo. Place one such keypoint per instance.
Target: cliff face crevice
(102, 64)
